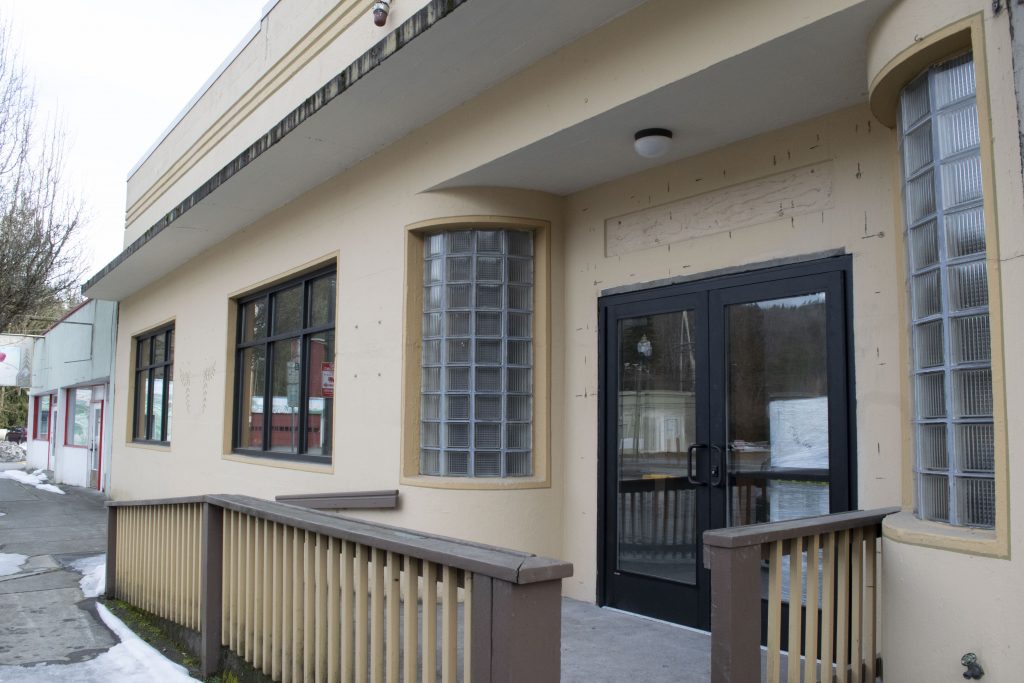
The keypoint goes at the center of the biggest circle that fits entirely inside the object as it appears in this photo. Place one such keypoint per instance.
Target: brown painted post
(211, 585)
(480, 638)
(110, 588)
(517, 631)
(735, 613)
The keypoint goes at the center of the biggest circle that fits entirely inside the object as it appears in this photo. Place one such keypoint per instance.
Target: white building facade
(68, 416)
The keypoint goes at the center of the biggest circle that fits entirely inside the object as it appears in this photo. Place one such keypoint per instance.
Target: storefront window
(284, 370)
(76, 427)
(43, 417)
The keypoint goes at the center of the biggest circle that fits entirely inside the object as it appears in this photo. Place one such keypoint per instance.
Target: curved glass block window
(476, 386)
(948, 287)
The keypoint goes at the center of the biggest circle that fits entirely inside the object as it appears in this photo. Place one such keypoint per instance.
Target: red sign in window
(327, 379)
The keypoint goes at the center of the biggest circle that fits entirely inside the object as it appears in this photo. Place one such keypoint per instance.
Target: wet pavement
(46, 617)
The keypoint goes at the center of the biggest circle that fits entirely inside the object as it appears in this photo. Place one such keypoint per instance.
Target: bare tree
(40, 221)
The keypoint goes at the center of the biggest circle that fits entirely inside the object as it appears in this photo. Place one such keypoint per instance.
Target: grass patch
(173, 640)
(150, 628)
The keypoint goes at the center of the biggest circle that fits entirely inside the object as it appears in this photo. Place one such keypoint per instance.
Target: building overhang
(442, 56)
(389, 92)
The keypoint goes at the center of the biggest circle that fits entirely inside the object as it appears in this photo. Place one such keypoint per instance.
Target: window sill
(905, 527)
(275, 460)
(162, 446)
(476, 484)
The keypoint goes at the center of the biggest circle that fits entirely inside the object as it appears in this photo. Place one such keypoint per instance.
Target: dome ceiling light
(651, 143)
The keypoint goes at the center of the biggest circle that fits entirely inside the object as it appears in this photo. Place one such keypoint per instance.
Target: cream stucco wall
(360, 223)
(861, 224)
(937, 604)
(297, 47)
(358, 217)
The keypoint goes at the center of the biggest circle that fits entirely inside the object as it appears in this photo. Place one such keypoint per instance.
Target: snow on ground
(12, 452)
(130, 661)
(94, 574)
(37, 479)
(10, 563)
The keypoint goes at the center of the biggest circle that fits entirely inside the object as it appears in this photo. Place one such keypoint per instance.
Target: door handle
(689, 464)
(718, 467)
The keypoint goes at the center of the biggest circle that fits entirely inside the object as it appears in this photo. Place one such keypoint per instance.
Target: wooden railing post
(211, 586)
(511, 627)
(735, 613)
(516, 630)
(734, 557)
(110, 586)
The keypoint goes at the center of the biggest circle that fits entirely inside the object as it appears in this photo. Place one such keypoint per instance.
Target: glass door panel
(723, 402)
(656, 503)
(778, 406)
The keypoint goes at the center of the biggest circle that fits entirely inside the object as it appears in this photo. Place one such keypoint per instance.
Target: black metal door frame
(709, 297)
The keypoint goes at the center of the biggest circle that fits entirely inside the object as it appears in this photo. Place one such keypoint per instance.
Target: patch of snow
(12, 452)
(10, 563)
(37, 479)
(94, 574)
(130, 661)
(2, 514)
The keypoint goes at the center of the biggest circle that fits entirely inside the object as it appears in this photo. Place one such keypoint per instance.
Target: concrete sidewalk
(45, 616)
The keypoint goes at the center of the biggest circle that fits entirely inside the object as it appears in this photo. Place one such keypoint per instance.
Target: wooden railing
(303, 595)
(160, 546)
(823, 616)
(657, 519)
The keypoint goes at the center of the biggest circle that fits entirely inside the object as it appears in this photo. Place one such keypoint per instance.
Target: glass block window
(948, 287)
(476, 390)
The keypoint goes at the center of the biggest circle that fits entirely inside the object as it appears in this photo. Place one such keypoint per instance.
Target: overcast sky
(117, 73)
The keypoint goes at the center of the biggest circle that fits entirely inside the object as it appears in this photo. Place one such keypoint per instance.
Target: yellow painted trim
(885, 87)
(905, 527)
(907, 479)
(295, 271)
(148, 446)
(154, 326)
(129, 441)
(229, 355)
(995, 290)
(897, 528)
(281, 464)
(333, 24)
(411, 353)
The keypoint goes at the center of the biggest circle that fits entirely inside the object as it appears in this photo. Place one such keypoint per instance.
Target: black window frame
(148, 369)
(266, 342)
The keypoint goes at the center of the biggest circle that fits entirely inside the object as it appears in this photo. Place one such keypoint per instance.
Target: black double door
(724, 402)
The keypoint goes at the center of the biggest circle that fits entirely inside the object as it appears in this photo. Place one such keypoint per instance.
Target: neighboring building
(69, 415)
(429, 258)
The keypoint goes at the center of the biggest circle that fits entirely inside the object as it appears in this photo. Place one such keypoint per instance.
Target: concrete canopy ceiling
(385, 104)
(803, 74)
(807, 73)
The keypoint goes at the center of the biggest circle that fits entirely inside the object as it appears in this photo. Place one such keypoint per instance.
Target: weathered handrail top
(499, 563)
(343, 500)
(182, 500)
(758, 534)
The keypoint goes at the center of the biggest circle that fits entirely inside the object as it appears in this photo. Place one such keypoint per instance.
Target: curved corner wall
(951, 590)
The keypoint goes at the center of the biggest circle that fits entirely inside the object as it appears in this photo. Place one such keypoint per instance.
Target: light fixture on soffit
(652, 143)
